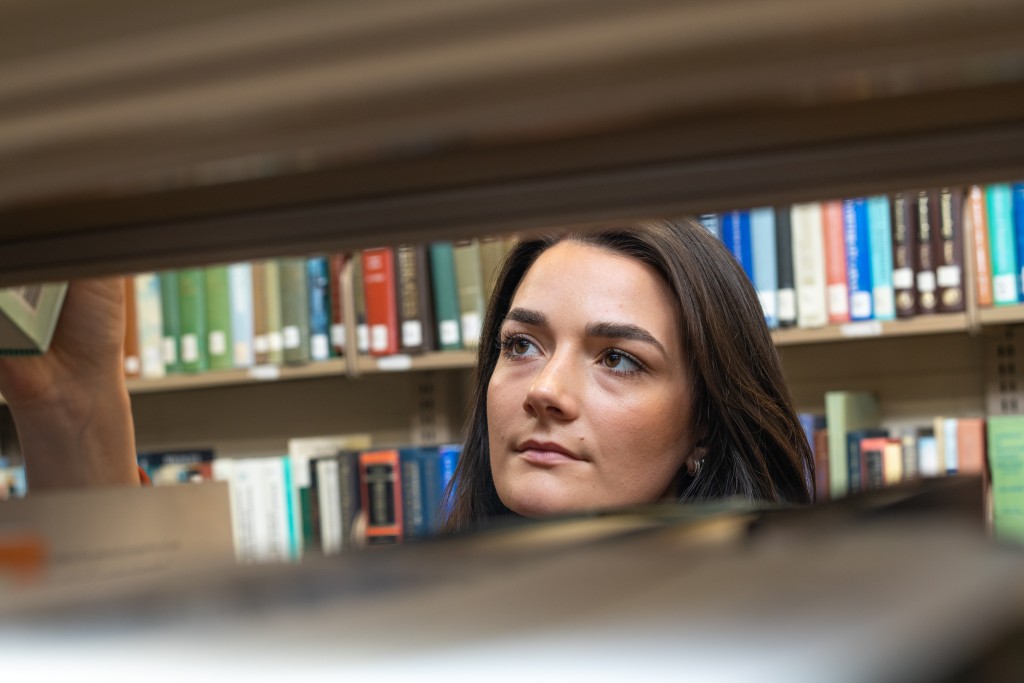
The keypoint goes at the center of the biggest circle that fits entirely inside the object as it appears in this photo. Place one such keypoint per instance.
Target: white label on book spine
(449, 332)
(396, 363)
(292, 337)
(218, 343)
(275, 341)
(903, 278)
(926, 281)
(948, 276)
(472, 325)
(189, 348)
(885, 302)
(1004, 288)
(319, 347)
(260, 343)
(860, 305)
(787, 304)
(243, 354)
(363, 338)
(412, 333)
(868, 328)
(379, 338)
(338, 335)
(169, 350)
(838, 300)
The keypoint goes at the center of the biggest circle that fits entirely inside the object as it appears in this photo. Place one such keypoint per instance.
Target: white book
(149, 315)
(242, 314)
(809, 265)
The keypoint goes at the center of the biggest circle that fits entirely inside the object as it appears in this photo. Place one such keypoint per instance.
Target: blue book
(880, 229)
(710, 221)
(858, 258)
(318, 276)
(765, 262)
(736, 237)
(1018, 231)
(448, 456)
(242, 314)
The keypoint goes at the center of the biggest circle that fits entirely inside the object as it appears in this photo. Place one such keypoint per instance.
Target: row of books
(313, 499)
(408, 299)
(881, 257)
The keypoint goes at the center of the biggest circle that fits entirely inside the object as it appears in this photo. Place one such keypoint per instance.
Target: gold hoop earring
(694, 465)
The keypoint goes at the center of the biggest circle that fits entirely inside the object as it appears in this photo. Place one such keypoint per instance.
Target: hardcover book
(809, 265)
(949, 250)
(880, 230)
(836, 262)
(904, 253)
(786, 301)
(381, 300)
(977, 232)
(927, 236)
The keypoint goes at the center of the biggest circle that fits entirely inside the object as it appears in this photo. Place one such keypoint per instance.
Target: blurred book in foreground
(28, 317)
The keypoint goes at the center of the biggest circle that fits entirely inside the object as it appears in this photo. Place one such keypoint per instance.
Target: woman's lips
(546, 453)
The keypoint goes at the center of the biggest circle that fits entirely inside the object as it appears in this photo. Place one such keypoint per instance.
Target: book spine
(130, 361)
(148, 308)
(294, 310)
(260, 340)
(381, 300)
(414, 523)
(415, 308)
(737, 239)
(243, 324)
(786, 299)
(381, 495)
(1002, 244)
(1018, 231)
(858, 259)
(446, 295)
(470, 285)
(904, 254)
(218, 318)
(492, 253)
(338, 330)
(809, 265)
(765, 262)
(448, 460)
(275, 321)
(170, 314)
(349, 494)
(192, 304)
(359, 304)
(328, 505)
(949, 251)
(838, 286)
(970, 434)
(711, 222)
(927, 235)
(318, 285)
(880, 230)
(979, 231)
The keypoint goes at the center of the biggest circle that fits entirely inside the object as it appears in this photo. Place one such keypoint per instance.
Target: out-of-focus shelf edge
(873, 329)
(1002, 315)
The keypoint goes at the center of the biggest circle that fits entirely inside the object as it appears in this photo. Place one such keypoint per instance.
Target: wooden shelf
(1003, 315)
(337, 127)
(440, 360)
(922, 325)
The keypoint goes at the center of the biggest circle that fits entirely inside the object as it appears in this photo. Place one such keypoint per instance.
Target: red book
(337, 262)
(835, 262)
(380, 484)
(381, 300)
(978, 227)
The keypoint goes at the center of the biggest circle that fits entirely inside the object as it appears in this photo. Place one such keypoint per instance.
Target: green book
(1002, 244)
(446, 296)
(845, 411)
(359, 304)
(272, 311)
(220, 345)
(470, 281)
(1006, 462)
(492, 253)
(192, 305)
(294, 309)
(170, 312)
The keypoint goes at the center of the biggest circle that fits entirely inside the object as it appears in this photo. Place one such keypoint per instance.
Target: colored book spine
(381, 495)
(809, 265)
(904, 254)
(1018, 230)
(260, 342)
(786, 299)
(949, 250)
(243, 324)
(858, 259)
(978, 227)
(845, 411)
(880, 230)
(736, 237)
(359, 305)
(837, 284)
(1006, 462)
(765, 262)
(927, 235)
(446, 295)
(414, 506)
(294, 309)
(318, 282)
(415, 305)
(218, 318)
(469, 280)
(1002, 244)
(275, 321)
(381, 300)
(338, 330)
(170, 314)
(492, 253)
(711, 222)
(149, 312)
(192, 305)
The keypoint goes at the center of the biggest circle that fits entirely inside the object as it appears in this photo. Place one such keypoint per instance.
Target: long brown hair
(743, 413)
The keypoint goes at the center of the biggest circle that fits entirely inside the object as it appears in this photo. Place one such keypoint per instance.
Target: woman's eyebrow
(624, 331)
(527, 316)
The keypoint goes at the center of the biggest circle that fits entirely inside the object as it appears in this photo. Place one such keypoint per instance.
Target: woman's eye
(516, 347)
(620, 362)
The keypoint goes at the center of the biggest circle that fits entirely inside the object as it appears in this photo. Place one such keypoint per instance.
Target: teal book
(446, 296)
(1002, 244)
(219, 344)
(195, 356)
(880, 236)
(170, 316)
(846, 411)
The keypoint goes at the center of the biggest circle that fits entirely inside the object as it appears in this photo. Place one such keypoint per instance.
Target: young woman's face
(589, 404)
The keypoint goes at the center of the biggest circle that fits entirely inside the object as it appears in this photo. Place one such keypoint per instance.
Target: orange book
(379, 287)
(970, 445)
(132, 360)
(879, 463)
(380, 493)
(838, 288)
(338, 332)
(978, 226)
